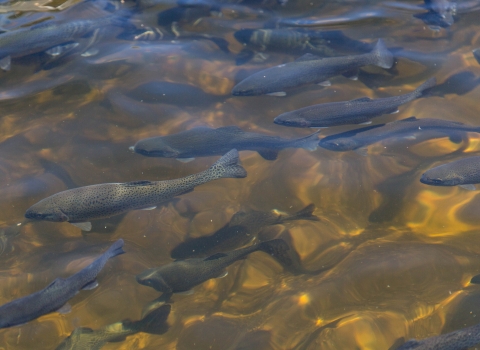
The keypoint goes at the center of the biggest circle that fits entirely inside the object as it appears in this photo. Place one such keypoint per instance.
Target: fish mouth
(146, 153)
(433, 182)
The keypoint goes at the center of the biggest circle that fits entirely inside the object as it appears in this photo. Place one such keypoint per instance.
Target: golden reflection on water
(403, 252)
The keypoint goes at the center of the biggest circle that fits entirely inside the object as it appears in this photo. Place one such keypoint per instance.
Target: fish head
(250, 87)
(339, 144)
(44, 211)
(288, 119)
(79, 338)
(152, 278)
(443, 175)
(243, 36)
(155, 147)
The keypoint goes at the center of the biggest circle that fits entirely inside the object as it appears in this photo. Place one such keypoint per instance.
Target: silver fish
(409, 128)
(88, 339)
(357, 111)
(464, 173)
(57, 293)
(204, 141)
(80, 205)
(309, 69)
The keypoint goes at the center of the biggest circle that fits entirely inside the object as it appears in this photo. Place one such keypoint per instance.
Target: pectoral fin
(149, 208)
(65, 309)
(6, 63)
(187, 292)
(90, 52)
(185, 160)
(84, 226)
(469, 187)
(361, 151)
(325, 83)
(223, 274)
(278, 94)
(90, 285)
(366, 123)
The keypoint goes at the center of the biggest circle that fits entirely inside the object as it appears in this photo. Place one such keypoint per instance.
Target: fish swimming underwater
(242, 229)
(204, 141)
(359, 139)
(463, 173)
(461, 339)
(440, 13)
(53, 38)
(309, 69)
(83, 338)
(183, 275)
(80, 205)
(357, 111)
(56, 294)
(476, 54)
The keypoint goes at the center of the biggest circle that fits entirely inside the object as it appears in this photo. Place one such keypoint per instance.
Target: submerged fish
(464, 173)
(83, 338)
(476, 54)
(242, 229)
(440, 13)
(461, 339)
(183, 275)
(56, 294)
(204, 141)
(357, 111)
(309, 69)
(359, 139)
(80, 205)
(53, 38)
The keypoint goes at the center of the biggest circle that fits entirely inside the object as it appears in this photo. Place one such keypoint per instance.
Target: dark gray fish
(51, 37)
(440, 13)
(183, 275)
(463, 172)
(56, 294)
(461, 339)
(459, 84)
(357, 111)
(242, 229)
(359, 139)
(476, 54)
(80, 205)
(204, 141)
(84, 338)
(309, 69)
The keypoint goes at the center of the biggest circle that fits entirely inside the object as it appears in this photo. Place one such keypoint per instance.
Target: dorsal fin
(138, 183)
(362, 99)
(215, 256)
(409, 119)
(54, 282)
(308, 57)
(231, 129)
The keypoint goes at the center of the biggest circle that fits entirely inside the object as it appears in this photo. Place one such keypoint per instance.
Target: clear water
(404, 251)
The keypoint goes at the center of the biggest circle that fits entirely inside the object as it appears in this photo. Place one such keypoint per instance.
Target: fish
(203, 141)
(464, 173)
(476, 54)
(182, 275)
(309, 69)
(440, 13)
(52, 37)
(322, 43)
(409, 128)
(459, 84)
(56, 294)
(357, 111)
(457, 340)
(80, 205)
(242, 229)
(83, 338)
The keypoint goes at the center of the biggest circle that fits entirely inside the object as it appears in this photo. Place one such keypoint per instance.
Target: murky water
(402, 252)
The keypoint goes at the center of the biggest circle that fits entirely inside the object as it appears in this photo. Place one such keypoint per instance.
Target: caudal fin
(228, 166)
(154, 322)
(304, 214)
(383, 57)
(430, 83)
(309, 142)
(476, 54)
(115, 249)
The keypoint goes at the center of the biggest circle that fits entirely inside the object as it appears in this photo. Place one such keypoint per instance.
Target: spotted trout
(80, 205)
(309, 69)
(357, 111)
(204, 141)
(464, 173)
(56, 294)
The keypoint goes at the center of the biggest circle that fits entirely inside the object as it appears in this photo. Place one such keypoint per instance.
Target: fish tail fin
(309, 142)
(228, 166)
(116, 249)
(476, 54)
(304, 214)
(154, 322)
(383, 57)
(281, 251)
(425, 86)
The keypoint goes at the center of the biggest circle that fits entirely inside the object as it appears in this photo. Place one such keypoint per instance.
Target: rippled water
(403, 252)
